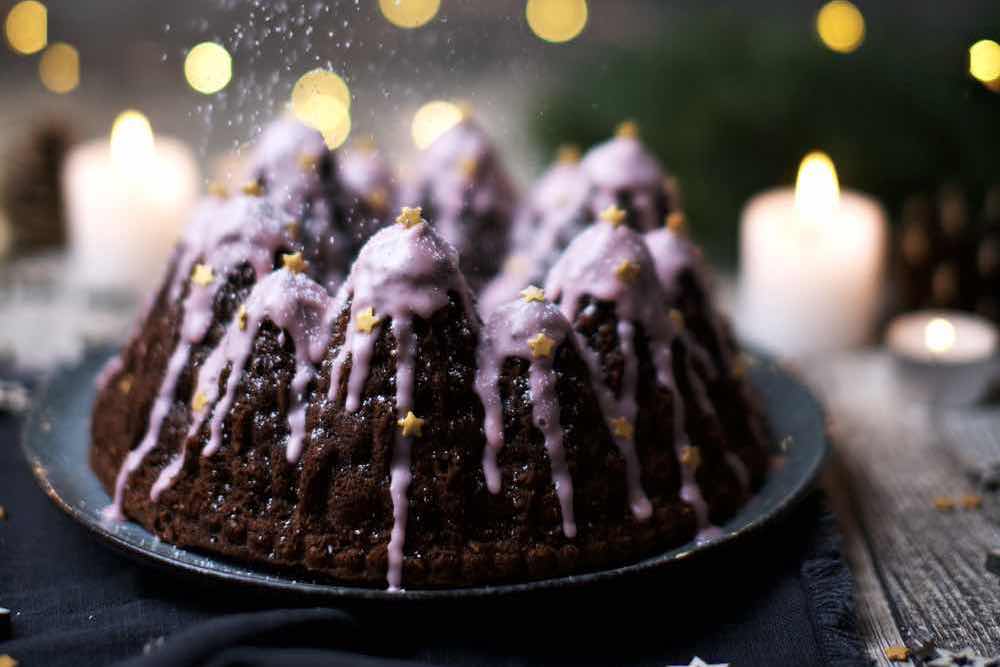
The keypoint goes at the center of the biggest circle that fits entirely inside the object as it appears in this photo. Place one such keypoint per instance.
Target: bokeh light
(556, 20)
(59, 68)
(27, 27)
(939, 335)
(434, 119)
(984, 61)
(841, 26)
(131, 140)
(208, 68)
(409, 13)
(322, 100)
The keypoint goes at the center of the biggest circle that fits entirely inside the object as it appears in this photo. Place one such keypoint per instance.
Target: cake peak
(624, 173)
(608, 263)
(464, 188)
(404, 272)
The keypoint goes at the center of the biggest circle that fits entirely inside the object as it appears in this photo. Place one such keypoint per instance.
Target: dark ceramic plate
(56, 441)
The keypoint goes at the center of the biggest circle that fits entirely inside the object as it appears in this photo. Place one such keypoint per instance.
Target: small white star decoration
(965, 657)
(698, 662)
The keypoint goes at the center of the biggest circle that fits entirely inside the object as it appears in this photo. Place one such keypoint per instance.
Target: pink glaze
(297, 305)
(589, 268)
(296, 171)
(400, 274)
(472, 197)
(674, 254)
(223, 235)
(622, 164)
(506, 335)
(367, 178)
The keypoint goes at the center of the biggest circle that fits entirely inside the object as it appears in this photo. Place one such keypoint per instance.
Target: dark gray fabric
(783, 597)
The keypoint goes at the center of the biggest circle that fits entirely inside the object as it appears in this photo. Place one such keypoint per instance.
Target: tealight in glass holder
(945, 358)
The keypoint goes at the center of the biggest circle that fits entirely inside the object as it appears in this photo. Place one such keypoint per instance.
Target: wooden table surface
(920, 570)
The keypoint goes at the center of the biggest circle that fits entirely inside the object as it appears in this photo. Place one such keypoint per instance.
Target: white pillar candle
(811, 265)
(127, 201)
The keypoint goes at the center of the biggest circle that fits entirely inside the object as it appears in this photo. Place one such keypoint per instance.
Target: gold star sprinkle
(253, 189)
(377, 198)
(627, 130)
(622, 428)
(410, 216)
(614, 215)
(7, 661)
(217, 189)
(971, 501)
(627, 271)
(568, 154)
(241, 317)
(468, 167)
(3, 513)
(674, 221)
(199, 401)
(690, 457)
(366, 320)
(202, 275)
(125, 384)
(308, 162)
(294, 262)
(541, 345)
(677, 318)
(944, 504)
(410, 425)
(897, 653)
(532, 293)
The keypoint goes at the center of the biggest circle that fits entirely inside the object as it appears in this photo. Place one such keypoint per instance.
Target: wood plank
(930, 563)
(875, 622)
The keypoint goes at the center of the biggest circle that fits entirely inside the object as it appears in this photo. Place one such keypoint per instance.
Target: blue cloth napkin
(780, 597)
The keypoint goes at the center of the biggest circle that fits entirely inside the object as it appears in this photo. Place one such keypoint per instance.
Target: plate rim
(283, 583)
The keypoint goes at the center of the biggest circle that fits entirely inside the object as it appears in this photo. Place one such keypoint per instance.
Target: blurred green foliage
(731, 106)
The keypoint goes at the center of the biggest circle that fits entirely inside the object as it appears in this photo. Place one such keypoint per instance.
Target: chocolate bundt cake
(360, 422)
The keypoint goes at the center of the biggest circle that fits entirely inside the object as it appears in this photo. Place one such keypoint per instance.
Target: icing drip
(295, 304)
(223, 235)
(509, 333)
(674, 255)
(622, 165)
(470, 195)
(404, 271)
(591, 266)
(400, 475)
(109, 370)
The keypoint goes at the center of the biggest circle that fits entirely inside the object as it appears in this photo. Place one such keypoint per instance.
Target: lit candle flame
(939, 335)
(131, 140)
(817, 190)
